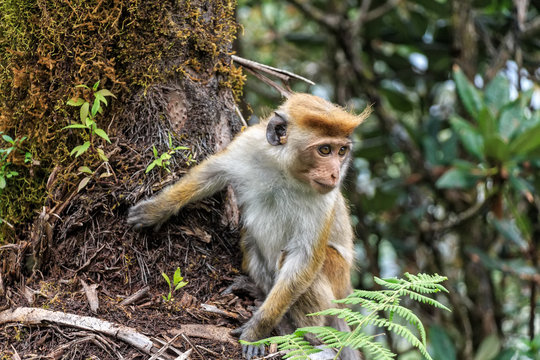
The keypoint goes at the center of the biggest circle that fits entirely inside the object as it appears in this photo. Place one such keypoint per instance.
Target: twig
(257, 69)
(458, 219)
(36, 316)
(213, 309)
(237, 110)
(164, 348)
(135, 297)
(330, 21)
(89, 261)
(193, 346)
(15, 354)
(279, 73)
(381, 10)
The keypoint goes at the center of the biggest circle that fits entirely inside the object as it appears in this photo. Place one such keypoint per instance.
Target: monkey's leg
(319, 297)
(201, 181)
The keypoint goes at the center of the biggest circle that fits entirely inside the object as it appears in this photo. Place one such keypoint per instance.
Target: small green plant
(177, 283)
(87, 117)
(379, 302)
(163, 160)
(5, 164)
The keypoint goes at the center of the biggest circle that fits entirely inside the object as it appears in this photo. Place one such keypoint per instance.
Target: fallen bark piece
(210, 332)
(36, 316)
(91, 295)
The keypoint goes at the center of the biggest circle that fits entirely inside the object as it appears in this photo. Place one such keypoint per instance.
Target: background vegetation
(444, 178)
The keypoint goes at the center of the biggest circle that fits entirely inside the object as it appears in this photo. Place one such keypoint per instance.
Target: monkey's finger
(237, 332)
(250, 351)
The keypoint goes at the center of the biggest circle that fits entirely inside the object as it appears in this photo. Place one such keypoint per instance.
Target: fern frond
(358, 295)
(296, 346)
(410, 317)
(352, 318)
(367, 344)
(423, 299)
(331, 337)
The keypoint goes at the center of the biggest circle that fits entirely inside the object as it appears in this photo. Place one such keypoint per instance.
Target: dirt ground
(119, 264)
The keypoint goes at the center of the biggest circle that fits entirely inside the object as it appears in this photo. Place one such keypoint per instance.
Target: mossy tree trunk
(168, 65)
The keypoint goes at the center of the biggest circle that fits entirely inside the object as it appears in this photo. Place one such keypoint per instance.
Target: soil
(121, 268)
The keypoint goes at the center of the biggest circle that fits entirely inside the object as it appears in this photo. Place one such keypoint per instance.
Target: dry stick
(280, 73)
(193, 346)
(164, 348)
(180, 354)
(89, 261)
(257, 69)
(35, 316)
(135, 297)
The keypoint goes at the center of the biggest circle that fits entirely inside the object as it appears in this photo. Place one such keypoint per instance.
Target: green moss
(47, 47)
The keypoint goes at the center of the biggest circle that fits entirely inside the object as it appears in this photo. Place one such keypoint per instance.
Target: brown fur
(337, 271)
(321, 116)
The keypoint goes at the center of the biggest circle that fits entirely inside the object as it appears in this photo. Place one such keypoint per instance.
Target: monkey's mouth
(323, 188)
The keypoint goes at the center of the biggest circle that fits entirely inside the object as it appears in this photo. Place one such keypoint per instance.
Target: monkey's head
(317, 135)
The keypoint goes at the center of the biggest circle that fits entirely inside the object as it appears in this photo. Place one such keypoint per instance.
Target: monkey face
(322, 163)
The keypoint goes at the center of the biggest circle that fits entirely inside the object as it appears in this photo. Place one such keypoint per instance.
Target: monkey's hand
(151, 212)
(247, 333)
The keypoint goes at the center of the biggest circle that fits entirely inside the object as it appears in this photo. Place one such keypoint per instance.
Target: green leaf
(89, 122)
(469, 95)
(441, 346)
(75, 102)
(497, 92)
(154, 150)
(80, 149)
(177, 276)
(150, 167)
(457, 179)
(82, 86)
(96, 85)
(100, 98)
(397, 100)
(104, 92)
(102, 134)
(170, 141)
(469, 136)
(526, 142)
(486, 122)
(102, 155)
(496, 148)
(75, 126)
(489, 348)
(510, 119)
(181, 284)
(166, 278)
(2, 182)
(84, 112)
(85, 169)
(95, 107)
(8, 138)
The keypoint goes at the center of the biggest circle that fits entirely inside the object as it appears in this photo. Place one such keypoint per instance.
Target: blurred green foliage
(444, 178)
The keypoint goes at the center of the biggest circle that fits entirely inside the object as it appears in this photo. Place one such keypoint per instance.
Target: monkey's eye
(342, 151)
(325, 149)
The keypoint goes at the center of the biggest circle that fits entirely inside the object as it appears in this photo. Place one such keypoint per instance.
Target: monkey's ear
(276, 130)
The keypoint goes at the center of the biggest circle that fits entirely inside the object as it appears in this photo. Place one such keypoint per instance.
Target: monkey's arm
(201, 181)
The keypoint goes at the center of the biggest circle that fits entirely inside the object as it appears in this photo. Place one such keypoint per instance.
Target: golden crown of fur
(325, 118)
